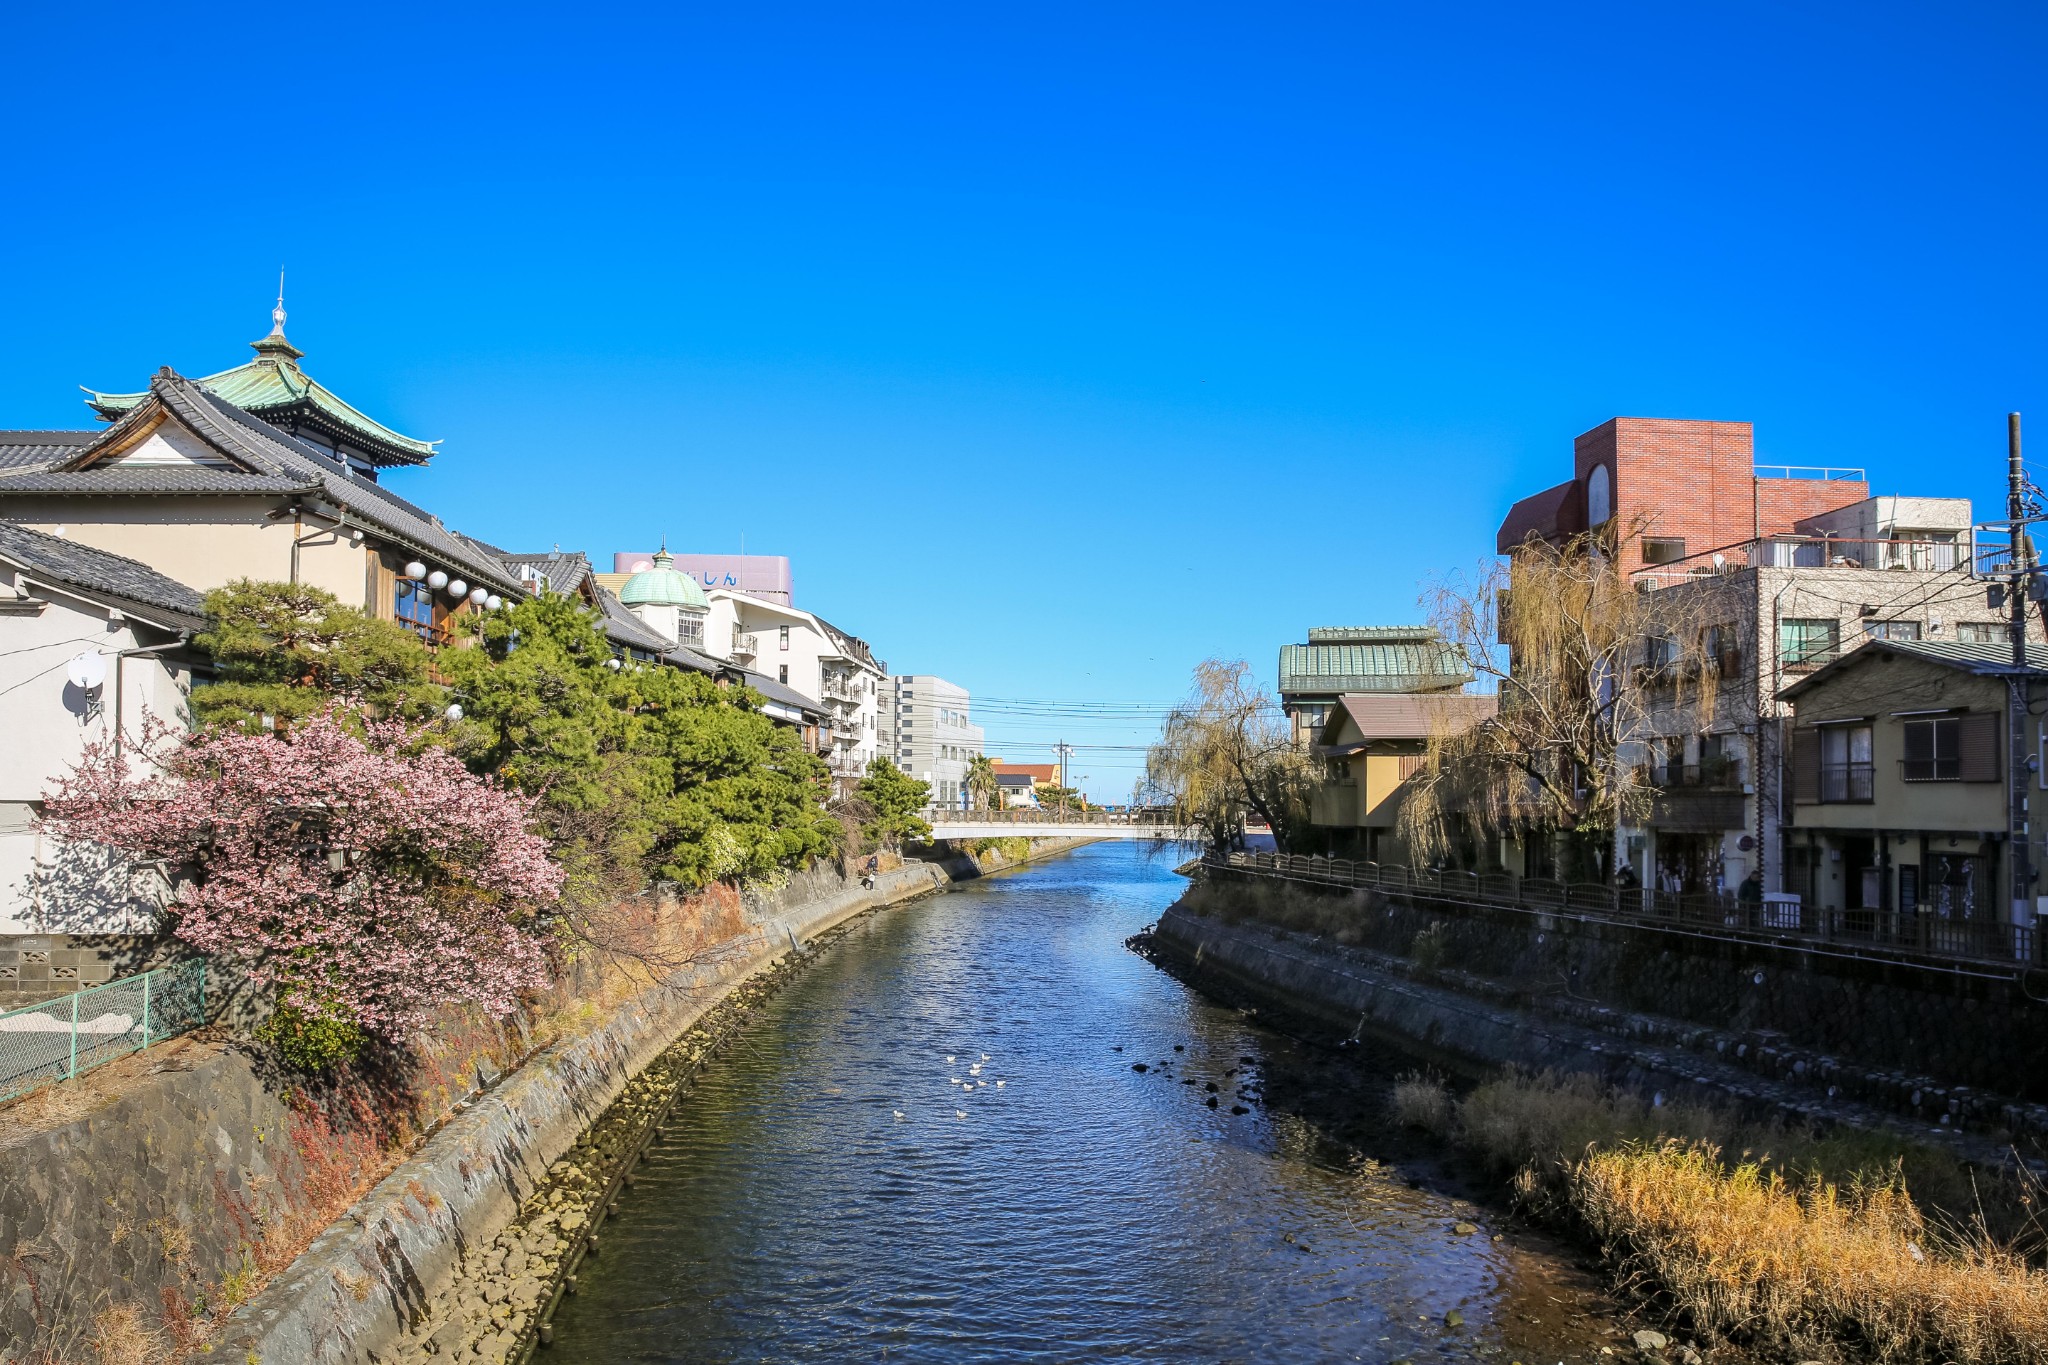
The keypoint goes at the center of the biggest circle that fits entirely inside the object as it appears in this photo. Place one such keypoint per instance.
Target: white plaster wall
(47, 724)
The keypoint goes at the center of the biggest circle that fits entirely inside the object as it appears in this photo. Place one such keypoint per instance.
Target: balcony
(1811, 552)
(746, 646)
(837, 688)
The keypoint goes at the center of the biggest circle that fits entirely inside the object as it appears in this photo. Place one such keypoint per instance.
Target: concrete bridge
(1052, 824)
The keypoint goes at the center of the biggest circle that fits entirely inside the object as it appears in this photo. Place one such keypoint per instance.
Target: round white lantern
(458, 589)
(415, 570)
(493, 602)
(437, 580)
(454, 711)
(479, 596)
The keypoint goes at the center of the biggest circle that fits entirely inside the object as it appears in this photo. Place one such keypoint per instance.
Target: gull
(899, 1115)
(999, 1085)
(984, 1056)
(949, 1060)
(974, 1070)
(959, 1113)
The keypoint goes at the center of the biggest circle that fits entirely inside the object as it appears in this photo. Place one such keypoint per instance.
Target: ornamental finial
(277, 313)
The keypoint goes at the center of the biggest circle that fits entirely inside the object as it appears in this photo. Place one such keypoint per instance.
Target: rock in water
(1651, 1341)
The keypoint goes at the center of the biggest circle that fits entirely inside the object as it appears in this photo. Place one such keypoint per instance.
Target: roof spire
(275, 344)
(662, 558)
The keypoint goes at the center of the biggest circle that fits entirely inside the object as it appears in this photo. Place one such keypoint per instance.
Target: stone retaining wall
(1467, 1023)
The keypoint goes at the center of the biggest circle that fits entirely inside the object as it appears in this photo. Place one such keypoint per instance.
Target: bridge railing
(1053, 817)
(1924, 934)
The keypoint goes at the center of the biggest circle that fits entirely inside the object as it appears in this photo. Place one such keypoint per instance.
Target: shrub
(1422, 1102)
(312, 1042)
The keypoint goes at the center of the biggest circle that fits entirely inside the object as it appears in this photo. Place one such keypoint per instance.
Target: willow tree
(1227, 751)
(1595, 666)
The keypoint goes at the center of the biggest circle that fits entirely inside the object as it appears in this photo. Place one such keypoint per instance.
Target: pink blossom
(370, 879)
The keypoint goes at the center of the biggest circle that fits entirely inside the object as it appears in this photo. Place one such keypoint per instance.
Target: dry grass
(1422, 1102)
(1784, 1239)
(120, 1336)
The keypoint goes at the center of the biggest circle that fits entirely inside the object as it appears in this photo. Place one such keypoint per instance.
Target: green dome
(662, 586)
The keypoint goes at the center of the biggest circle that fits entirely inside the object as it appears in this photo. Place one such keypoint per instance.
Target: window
(1979, 633)
(412, 606)
(1845, 763)
(782, 673)
(785, 641)
(1599, 495)
(1893, 630)
(1933, 752)
(1662, 549)
(1808, 644)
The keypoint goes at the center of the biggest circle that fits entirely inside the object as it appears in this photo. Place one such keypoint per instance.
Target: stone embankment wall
(148, 1183)
(1480, 990)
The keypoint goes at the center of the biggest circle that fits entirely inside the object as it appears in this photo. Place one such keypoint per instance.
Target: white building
(934, 738)
(95, 645)
(806, 652)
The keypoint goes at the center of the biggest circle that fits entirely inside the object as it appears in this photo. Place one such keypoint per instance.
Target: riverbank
(1799, 1225)
(364, 1289)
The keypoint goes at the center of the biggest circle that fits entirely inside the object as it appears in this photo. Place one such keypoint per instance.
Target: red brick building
(1691, 486)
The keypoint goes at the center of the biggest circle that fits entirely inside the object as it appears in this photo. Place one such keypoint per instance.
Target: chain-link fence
(54, 1041)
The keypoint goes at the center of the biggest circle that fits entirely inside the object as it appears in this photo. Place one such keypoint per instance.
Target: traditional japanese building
(274, 388)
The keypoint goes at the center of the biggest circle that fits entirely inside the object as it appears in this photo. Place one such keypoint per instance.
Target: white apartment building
(807, 652)
(934, 739)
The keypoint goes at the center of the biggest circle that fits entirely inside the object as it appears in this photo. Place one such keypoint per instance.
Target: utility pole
(2017, 597)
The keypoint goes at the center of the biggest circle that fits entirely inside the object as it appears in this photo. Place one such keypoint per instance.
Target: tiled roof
(262, 460)
(1405, 659)
(627, 630)
(564, 570)
(273, 384)
(20, 449)
(121, 581)
(1408, 715)
(1987, 659)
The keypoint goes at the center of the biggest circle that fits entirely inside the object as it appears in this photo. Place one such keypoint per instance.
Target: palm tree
(984, 792)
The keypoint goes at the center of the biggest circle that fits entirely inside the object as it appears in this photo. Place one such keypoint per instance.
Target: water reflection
(856, 1182)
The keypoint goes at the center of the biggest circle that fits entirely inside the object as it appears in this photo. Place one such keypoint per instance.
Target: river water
(830, 1190)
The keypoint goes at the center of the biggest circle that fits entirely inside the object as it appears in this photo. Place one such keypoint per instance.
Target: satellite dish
(87, 671)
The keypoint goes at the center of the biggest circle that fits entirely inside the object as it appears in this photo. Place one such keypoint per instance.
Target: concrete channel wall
(1464, 1022)
(354, 1296)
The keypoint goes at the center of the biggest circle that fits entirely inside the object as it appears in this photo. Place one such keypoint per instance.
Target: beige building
(1897, 800)
(1770, 612)
(204, 493)
(1372, 744)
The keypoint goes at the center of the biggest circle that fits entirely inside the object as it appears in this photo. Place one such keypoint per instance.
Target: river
(831, 1190)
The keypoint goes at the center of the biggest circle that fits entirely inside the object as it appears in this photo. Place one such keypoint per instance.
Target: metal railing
(56, 1040)
(1044, 816)
(1829, 473)
(1890, 933)
(1810, 552)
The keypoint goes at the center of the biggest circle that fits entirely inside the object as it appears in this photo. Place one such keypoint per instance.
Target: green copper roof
(1371, 659)
(663, 586)
(274, 387)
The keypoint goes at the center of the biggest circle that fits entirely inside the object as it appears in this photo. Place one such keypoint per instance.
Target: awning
(1339, 750)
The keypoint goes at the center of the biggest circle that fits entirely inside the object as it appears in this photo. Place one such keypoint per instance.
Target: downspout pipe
(121, 657)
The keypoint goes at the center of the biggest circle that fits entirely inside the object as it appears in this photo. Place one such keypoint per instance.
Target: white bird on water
(949, 1059)
(899, 1115)
(959, 1113)
(984, 1056)
(999, 1085)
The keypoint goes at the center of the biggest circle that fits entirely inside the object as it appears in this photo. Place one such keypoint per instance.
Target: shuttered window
(1977, 746)
(1932, 749)
(1806, 766)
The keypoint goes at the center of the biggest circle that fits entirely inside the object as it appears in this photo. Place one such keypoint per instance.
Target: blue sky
(1060, 348)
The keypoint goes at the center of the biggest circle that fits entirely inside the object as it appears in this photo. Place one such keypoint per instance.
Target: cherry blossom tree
(368, 877)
